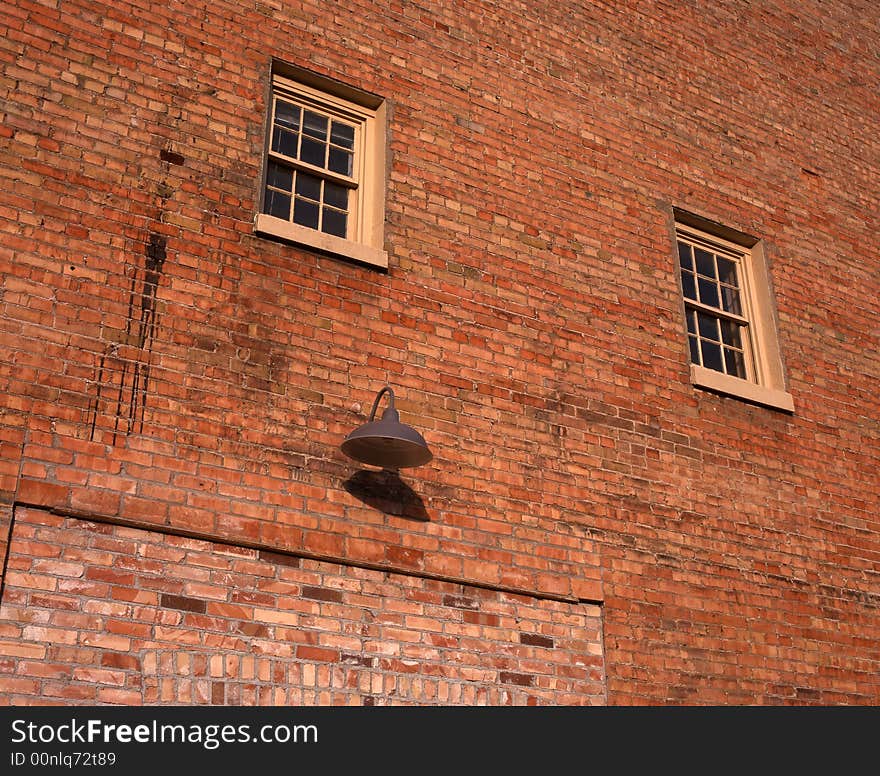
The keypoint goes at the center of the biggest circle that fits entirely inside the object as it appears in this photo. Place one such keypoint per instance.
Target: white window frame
(765, 379)
(365, 233)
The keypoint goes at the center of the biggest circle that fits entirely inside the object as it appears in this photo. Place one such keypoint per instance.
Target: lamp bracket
(386, 389)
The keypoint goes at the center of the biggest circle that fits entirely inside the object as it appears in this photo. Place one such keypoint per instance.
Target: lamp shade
(387, 443)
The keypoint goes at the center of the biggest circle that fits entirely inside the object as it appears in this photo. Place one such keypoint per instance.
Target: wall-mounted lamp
(387, 442)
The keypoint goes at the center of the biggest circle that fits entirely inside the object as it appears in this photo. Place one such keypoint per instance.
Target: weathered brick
(185, 603)
(105, 654)
(535, 640)
(164, 366)
(321, 594)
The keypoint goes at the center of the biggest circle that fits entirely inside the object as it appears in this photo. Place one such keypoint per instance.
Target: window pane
(727, 271)
(287, 114)
(278, 204)
(691, 321)
(705, 262)
(334, 222)
(308, 186)
(688, 286)
(711, 355)
(313, 152)
(709, 293)
(335, 195)
(730, 299)
(708, 327)
(695, 350)
(340, 161)
(279, 176)
(305, 213)
(342, 135)
(735, 363)
(684, 256)
(315, 125)
(730, 334)
(284, 142)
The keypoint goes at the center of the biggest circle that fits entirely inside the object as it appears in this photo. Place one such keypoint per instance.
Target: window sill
(326, 243)
(742, 389)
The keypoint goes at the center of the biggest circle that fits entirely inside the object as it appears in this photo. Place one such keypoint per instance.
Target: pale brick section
(132, 617)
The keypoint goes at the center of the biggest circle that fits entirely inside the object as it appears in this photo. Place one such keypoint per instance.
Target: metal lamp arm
(386, 389)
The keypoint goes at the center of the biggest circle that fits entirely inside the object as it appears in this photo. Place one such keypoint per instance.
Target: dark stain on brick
(184, 603)
(322, 594)
(280, 559)
(218, 693)
(172, 157)
(534, 640)
(524, 680)
(123, 381)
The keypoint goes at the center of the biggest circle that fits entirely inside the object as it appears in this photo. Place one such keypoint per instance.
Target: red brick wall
(98, 613)
(162, 368)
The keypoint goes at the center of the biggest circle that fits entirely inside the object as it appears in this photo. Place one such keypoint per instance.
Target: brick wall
(98, 613)
(166, 371)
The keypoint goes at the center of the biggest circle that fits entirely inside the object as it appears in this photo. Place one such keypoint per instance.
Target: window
(324, 175)
(728, 310)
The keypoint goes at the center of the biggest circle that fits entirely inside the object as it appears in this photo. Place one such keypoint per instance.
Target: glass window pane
(334, 222)
(315, 125)
(735, 363)
(688, 286)
(340, 161)
(342, 135)
(284, 142)
(335, 195)
(709, 293)
(278, 204)
(313, 152)
(695, 350)
(730, 300)
(308, 186)
(691, 321)
(708, 327)
(730, 334)
(305, 213)
(287, 114)
(684, 256)
(279, 176)
(727, 271)
(711, 355)
(705, 262)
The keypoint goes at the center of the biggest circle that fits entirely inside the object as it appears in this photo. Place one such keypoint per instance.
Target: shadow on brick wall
(385, 491)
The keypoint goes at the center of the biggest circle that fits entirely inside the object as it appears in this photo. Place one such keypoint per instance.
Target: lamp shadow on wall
(385, 491)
